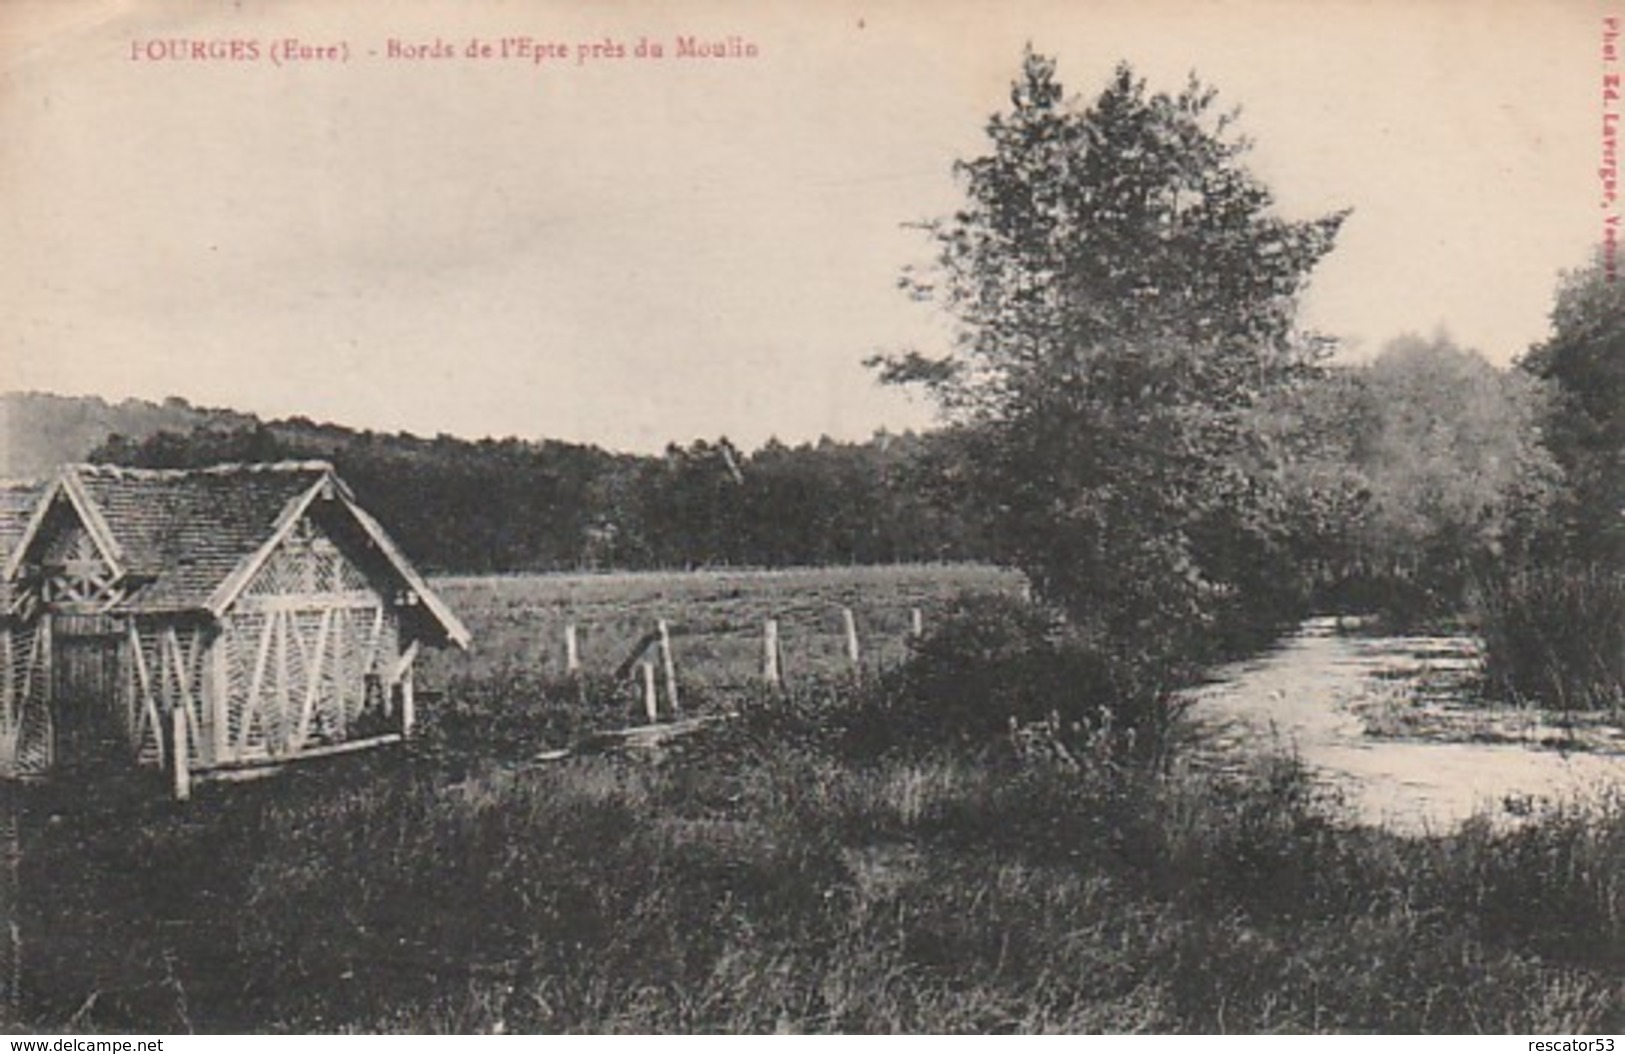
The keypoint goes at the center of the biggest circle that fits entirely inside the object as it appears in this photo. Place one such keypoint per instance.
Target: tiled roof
(17, 502)
(189, 529)
(189, 537)
(16, 507)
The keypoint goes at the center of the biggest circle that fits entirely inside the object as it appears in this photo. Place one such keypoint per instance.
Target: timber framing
(213, 623)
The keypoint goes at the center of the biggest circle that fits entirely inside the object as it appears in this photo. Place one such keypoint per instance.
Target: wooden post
(851, 626)
(651, 699)
(572, 652)
(48, 688)
(670, 667)
(180, 759)
(770, 653)
(218, 696)
(916, 623)
(408, 702)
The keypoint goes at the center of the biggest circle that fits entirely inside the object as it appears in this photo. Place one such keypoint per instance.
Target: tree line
(512, 505)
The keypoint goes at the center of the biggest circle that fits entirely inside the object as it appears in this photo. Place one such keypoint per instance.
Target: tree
(1450, 449)
(1124, 294)
(1584, 360)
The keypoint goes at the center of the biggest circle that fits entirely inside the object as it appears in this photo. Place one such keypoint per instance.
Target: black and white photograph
(538, 517)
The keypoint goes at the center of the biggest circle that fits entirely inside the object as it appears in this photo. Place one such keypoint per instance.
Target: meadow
(715, 617)
(776, 875)
(871, 853)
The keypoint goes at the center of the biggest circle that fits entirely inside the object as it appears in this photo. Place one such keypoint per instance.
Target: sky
(635, 250)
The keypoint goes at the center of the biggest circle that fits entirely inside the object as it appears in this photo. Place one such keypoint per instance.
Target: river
(1388, 723)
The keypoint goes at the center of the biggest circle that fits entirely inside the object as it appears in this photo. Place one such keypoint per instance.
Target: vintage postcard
(842, 516)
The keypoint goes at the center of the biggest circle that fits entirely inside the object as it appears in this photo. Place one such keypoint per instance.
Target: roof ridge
(226, 468)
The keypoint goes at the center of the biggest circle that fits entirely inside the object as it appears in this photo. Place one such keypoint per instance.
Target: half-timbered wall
(25, 698)
(75, 574)
(163, 668)
(307, 656)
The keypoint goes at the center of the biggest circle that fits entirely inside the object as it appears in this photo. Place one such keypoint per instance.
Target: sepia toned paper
(639, 223)
(634, 224)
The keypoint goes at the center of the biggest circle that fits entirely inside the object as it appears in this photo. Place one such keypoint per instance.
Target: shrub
(997, 663)
(1555, 637)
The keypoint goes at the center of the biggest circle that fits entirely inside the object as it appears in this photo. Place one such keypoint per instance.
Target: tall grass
(781, 876)
(886, 854)
(1555, 637)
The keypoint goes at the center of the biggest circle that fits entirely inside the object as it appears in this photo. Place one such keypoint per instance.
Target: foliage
(509, 505)
(769, 884)
(1424, 469)
(1555, 636)
(1585, 361)
(1451, 451)
(998, 664)
(1124, 295)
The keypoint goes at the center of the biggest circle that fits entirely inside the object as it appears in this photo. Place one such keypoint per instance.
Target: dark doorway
(84, 691)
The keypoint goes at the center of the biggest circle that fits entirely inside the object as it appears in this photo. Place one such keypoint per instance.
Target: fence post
(651, 700)
(670, 667)
(850, 624)
(180, 760)
(408, 703)
(572, 652)
(770, 652)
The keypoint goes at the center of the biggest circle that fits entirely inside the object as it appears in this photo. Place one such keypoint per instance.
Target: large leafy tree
(1125, 293)
(1584, 360)
(1449, 447)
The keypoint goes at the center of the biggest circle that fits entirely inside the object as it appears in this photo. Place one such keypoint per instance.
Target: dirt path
(1326, 689)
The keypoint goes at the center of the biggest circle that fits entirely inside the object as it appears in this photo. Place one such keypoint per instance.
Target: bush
(996, 663)
(1555, 637)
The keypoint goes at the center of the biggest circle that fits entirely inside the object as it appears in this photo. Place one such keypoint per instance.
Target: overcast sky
(634, 251)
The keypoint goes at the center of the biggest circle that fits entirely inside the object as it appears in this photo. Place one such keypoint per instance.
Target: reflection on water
(1314, 694)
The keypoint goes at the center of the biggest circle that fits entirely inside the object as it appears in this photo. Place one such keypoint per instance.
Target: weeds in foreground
(768, 882)
(867, 856)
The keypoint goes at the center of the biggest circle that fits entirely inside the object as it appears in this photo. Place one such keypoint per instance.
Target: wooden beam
(341, 670)
(404, 664)
(669, 665)
(651, 698)
(256, 682)
(350, 599)
(408, 701)
(313, 679)
(182, 768)
(219, 697)
(183, 674)
(280, 743)
(244, 769)
(770, 652)
(48, 688)
(149, 705)
(455, 631)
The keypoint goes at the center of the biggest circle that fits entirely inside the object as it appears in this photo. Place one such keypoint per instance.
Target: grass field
(786, 870)
(716, 618)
